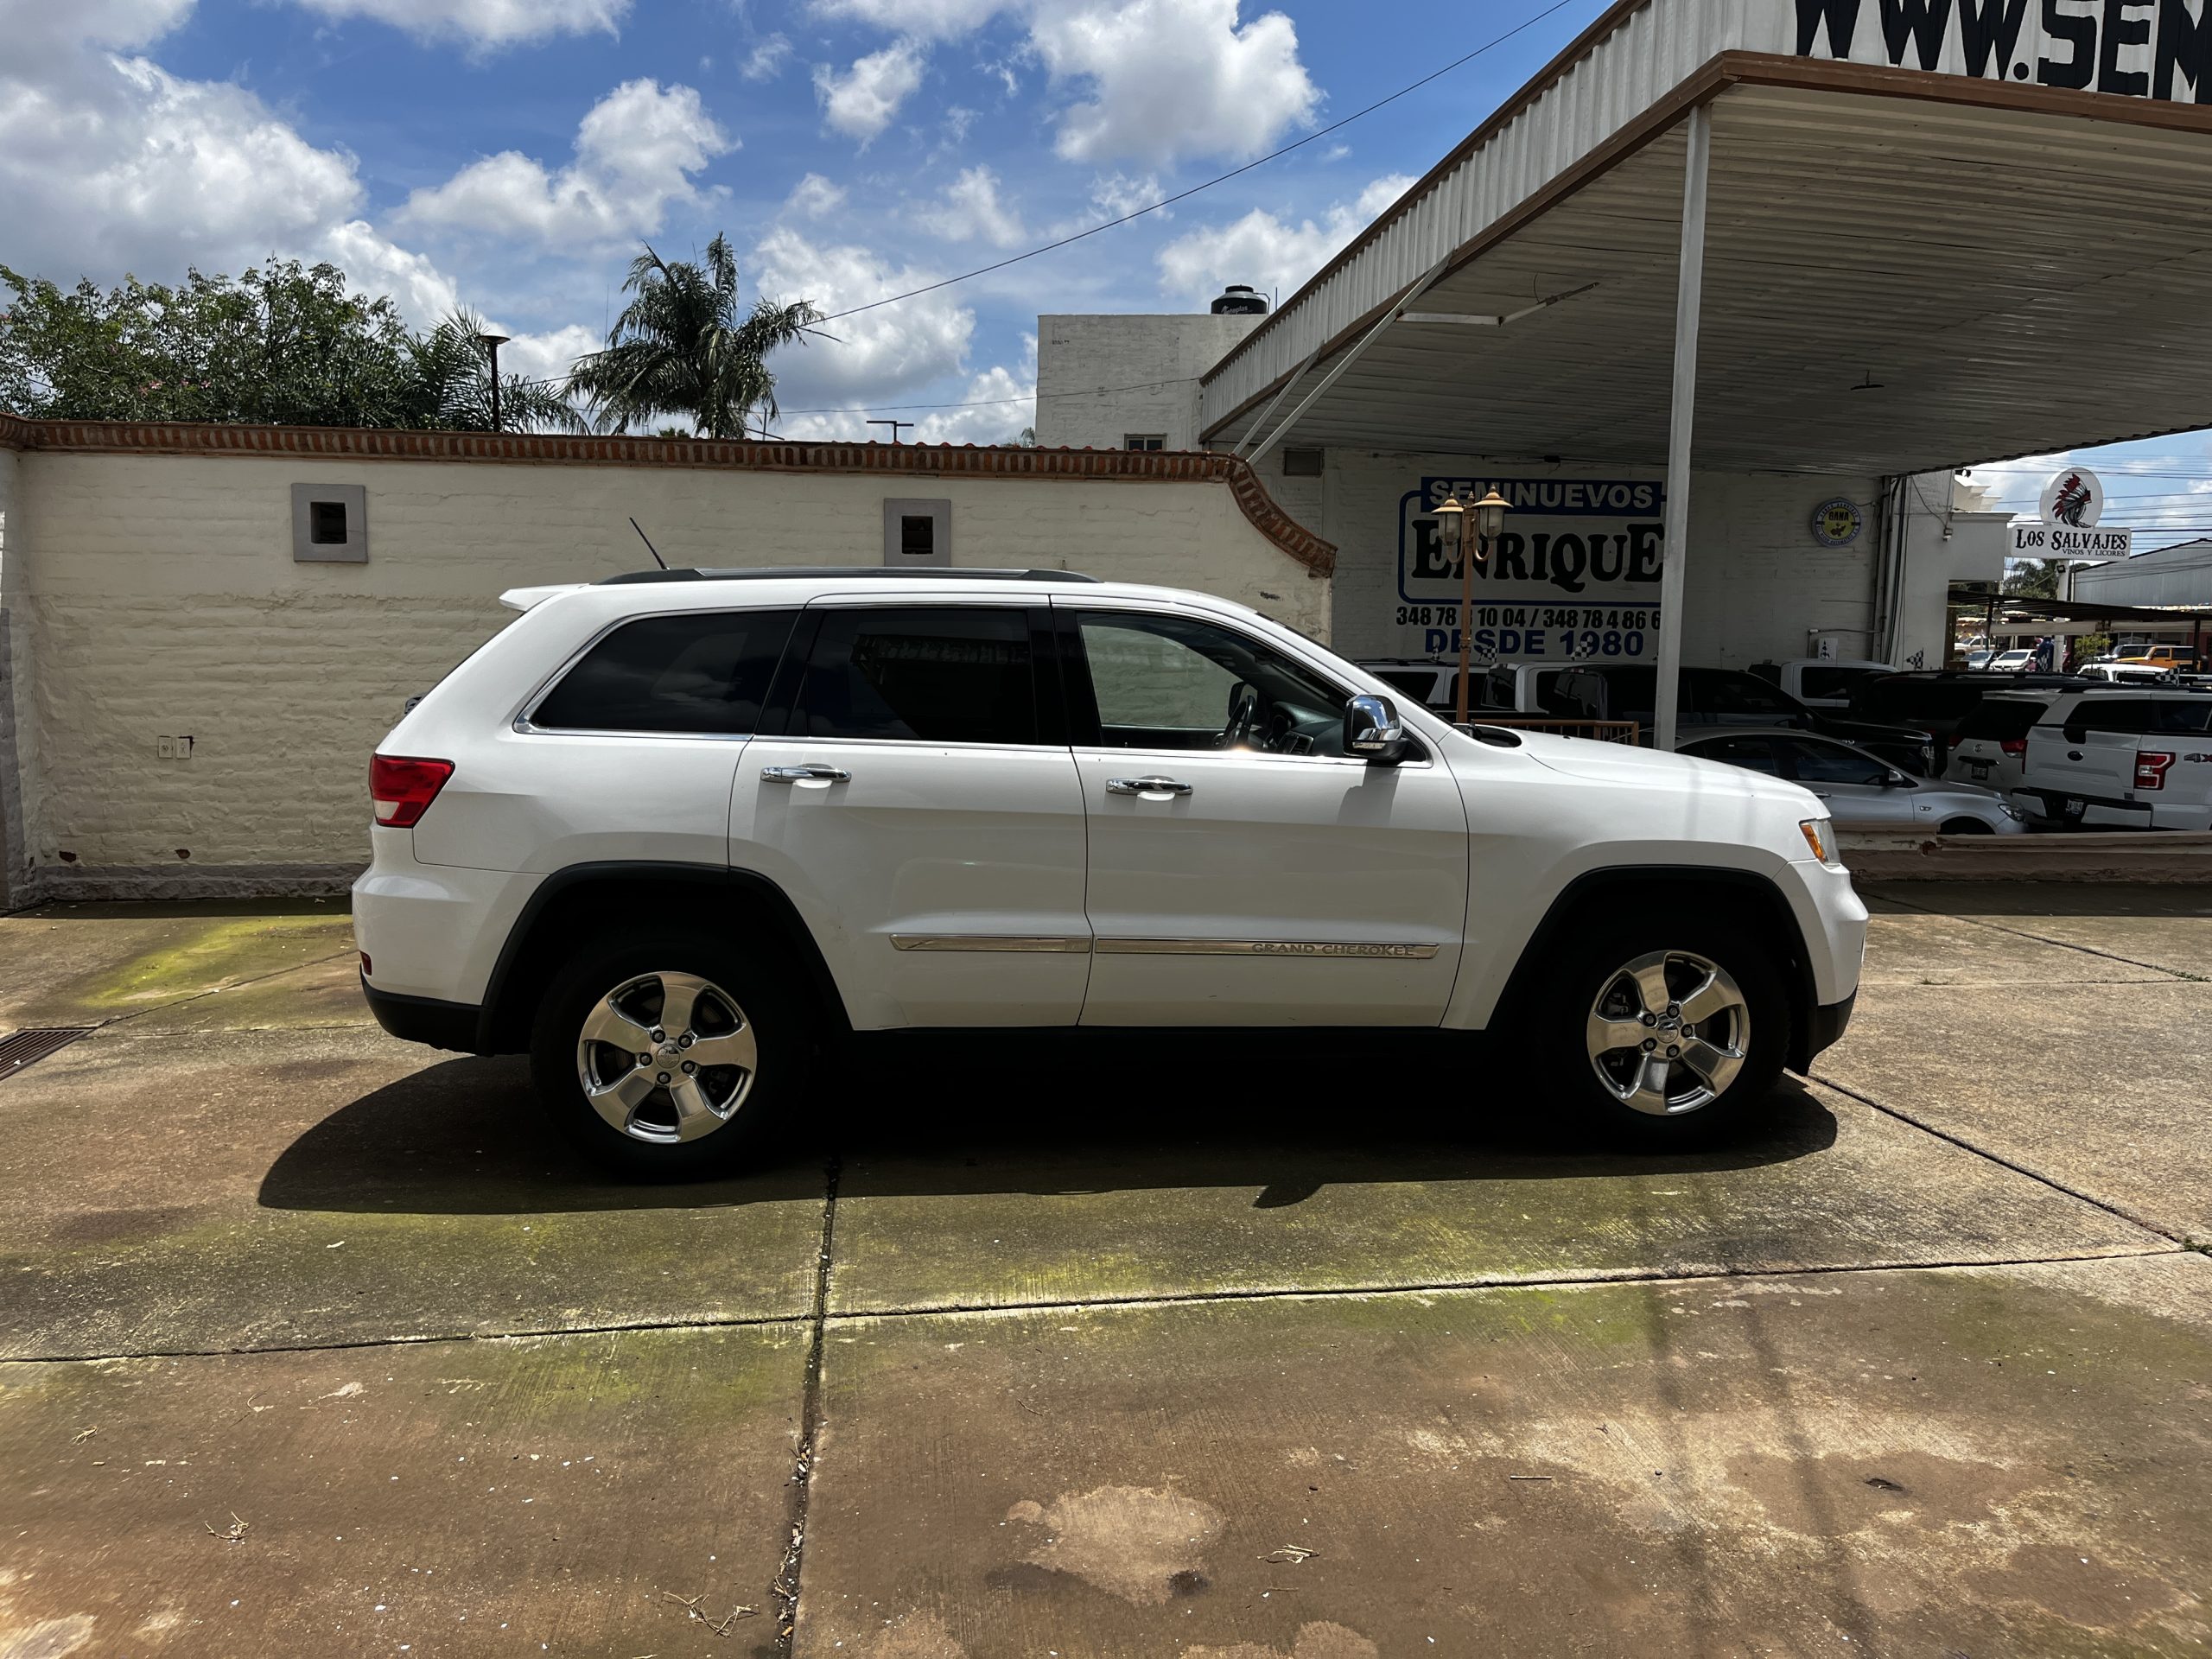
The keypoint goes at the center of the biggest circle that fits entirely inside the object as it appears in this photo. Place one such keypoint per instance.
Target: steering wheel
(1247, 713)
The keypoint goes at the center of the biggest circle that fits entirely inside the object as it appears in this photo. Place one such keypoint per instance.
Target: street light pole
(492, 344)
(1473, 528)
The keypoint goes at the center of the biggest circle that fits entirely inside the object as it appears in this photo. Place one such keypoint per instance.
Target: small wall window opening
(1144, 440)
(1301, 463)
(917, 532)
(330, 524)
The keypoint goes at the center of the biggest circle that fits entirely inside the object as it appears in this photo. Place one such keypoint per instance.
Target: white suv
(674, 833)
(2139, 758)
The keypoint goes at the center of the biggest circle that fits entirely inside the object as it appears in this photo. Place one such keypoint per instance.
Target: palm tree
(680, 348)
(451, 385)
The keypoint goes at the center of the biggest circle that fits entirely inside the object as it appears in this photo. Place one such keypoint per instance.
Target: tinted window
(925, 673)
(1835, 682)
(2183, 716)
(1757, 754)
(1812, 762)
(1912, 701)
(2002, 720)
(703, 671)
(1177, 682)
(1419, 684)
(1737, 697)
(2123, 714)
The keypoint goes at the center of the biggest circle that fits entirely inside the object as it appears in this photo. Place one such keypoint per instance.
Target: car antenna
(650, 548)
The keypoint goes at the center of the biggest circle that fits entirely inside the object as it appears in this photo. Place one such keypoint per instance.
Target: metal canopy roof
(2013, 273)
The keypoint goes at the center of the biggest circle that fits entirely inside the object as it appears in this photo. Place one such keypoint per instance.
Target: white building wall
(1100, 378)
(1942, 545)
(1757, 583)
(18, 751)
(164, 601)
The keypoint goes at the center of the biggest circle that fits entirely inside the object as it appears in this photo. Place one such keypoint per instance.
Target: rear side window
(2002, 720)
(920, 673)
(1417, 683)
(2121, 715)
(2184, 717)
(702, 672)
(1833, 682)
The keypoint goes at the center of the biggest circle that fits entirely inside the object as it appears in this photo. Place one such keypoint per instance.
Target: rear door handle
(1146, 786)
(806, 774)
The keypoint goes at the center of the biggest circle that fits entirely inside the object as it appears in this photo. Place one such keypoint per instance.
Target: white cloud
(814, 196)
(971, 210)
(768, 59)
(112, 164)
(548, 356)
(877, 354)
(1172, 78)
(375, 266)
(1117, 195)
(1155, 81)
(635, 153)
(1266, 251)
(483, 23)
(932, 20)
(862, 102)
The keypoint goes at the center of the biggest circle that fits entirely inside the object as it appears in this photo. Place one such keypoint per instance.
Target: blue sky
(511, 154)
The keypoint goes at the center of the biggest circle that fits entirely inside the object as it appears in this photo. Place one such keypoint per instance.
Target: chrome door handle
(806, 774)
(1146, 786)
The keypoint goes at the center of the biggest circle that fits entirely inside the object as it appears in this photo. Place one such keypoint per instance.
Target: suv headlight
(1820, 836)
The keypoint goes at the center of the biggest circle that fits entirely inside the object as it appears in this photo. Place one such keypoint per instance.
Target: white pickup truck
(2131, 760)
(1822, 682)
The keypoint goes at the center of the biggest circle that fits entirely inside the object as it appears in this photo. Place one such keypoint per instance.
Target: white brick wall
(17, 751)
(162, 599)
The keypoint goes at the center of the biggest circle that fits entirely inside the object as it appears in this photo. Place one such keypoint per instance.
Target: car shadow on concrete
(946, 1115)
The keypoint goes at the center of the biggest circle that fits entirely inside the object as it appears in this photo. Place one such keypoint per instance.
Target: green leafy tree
(681, 348)
(284, 344)
(2038, 578)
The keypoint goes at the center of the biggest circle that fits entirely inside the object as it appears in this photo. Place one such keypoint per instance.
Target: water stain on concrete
(1143, 1544)
(50, 1638)
(1320, 1640)
(2077, 1587)
(915, 1635)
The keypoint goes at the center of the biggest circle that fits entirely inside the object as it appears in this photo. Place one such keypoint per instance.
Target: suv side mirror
(1373, 731)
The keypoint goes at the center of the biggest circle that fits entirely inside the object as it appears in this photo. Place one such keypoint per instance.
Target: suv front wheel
(666, 1057)
(1668, 1028)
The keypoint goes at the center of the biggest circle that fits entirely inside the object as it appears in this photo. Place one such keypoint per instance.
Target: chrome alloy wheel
(1668, 1032)
(666, 1057)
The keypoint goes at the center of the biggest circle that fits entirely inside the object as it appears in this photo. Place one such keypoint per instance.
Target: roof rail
(779, 572)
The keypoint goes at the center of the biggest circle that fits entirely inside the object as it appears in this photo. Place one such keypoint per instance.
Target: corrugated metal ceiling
(2012, 283)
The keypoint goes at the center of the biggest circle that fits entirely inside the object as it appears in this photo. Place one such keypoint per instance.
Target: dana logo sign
(2130, 48)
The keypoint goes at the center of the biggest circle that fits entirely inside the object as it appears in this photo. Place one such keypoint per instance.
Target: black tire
(1966, 827)
(1590, 965)
(759, 988)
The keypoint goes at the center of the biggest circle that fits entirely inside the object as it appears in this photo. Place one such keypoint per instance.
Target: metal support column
(1687, 298)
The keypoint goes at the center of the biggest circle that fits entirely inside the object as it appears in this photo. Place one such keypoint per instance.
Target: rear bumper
(425, 1019)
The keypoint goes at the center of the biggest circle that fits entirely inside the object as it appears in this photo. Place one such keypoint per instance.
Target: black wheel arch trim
(1778, 919)
(495, 1028)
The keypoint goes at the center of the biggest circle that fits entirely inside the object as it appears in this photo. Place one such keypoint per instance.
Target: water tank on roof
(1238, 300)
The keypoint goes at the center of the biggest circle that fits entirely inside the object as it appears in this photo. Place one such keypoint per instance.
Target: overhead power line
(1184, 195)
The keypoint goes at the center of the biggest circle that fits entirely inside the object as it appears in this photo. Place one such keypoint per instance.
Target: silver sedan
(1862, 790)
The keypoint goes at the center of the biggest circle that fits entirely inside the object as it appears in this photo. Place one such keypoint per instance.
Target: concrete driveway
(311, 1343)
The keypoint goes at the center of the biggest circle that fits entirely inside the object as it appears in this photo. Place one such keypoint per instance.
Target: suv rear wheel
(667, 1055)
(1668, 1029)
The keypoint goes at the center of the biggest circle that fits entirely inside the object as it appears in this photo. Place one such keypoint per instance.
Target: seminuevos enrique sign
(2130, 48)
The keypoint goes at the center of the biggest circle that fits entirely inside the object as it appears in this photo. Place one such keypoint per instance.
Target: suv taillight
(2150, 770)
(401, 789)
(2014, 745)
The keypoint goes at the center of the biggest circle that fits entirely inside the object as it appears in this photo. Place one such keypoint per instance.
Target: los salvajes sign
(2131, 48)
(2069, 509)
(1574, 574)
